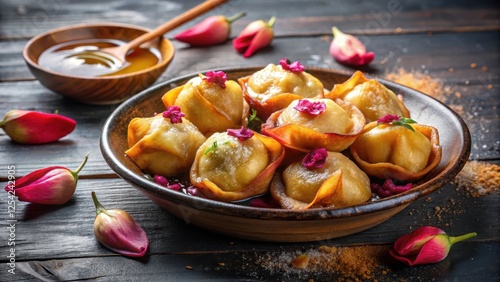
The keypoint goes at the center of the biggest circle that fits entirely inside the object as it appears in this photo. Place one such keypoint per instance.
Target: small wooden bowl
(95, 90)
(284, 225)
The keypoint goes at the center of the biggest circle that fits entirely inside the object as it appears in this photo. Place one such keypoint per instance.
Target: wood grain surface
(455, 42)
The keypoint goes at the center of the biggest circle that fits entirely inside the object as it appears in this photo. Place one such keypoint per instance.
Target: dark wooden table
(455, 43)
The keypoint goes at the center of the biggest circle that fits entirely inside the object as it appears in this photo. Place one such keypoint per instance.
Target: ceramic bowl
(281, 225)
(95, 90)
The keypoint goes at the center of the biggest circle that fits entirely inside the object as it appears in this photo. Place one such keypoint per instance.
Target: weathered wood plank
(467, 262)
(434, 53)
(28, 18)
(46, 232)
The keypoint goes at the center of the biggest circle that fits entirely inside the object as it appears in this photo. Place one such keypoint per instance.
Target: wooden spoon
(115, 56)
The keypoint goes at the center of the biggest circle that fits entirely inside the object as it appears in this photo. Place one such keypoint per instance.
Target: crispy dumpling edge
(387, 170)
(259, 186)
(300, 138)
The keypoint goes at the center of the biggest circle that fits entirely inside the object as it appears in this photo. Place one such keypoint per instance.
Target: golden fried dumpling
(321, 179)
(235, 165)
(165, 144)
(274, 87)
(322, 122)
(404, 153)
(211, 102)
(312, 123)
(370, 96)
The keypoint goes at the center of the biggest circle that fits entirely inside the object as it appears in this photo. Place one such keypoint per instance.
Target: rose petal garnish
(162, 180)
(313, 108)
(289, 66)
(176, 187)
(174, 114)
(388, 118)
(389, 188)
(315, 159)
(218, 77)
(242, 134)
(397, 120)
(267, 202)
(193, 191)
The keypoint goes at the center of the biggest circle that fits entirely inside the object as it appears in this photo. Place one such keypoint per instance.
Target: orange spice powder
(421, 82)
(354, 263)
(479, 178)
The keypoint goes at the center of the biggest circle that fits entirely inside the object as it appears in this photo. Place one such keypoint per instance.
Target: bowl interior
(454, 137)
(96, 90)
(35, 47)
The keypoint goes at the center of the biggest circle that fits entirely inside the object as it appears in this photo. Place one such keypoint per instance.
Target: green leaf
(253, 116)
(407, 120)
(402, 123)
(254, 122)
(211, 148)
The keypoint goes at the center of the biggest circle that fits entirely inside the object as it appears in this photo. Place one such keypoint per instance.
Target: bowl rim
(231, 209)
(164, 62)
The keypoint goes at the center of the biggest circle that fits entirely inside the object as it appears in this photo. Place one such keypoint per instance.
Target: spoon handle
(175, 22)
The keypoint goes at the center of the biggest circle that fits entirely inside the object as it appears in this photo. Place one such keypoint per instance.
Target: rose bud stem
(235, 17)
(464, 237)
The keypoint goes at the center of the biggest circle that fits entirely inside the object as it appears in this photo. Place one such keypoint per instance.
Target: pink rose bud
(212, 30)
(30, 127)
(53, 185)
(347, 49)
(425, 245)
(118, 231)
(255, 36)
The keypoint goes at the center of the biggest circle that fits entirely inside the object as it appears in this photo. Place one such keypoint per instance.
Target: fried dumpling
(275, 86)
(211, 102)
(235, 165)
(311, 123)
(165, 144)
(321, 179)
(371, 97)
(403, 153)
